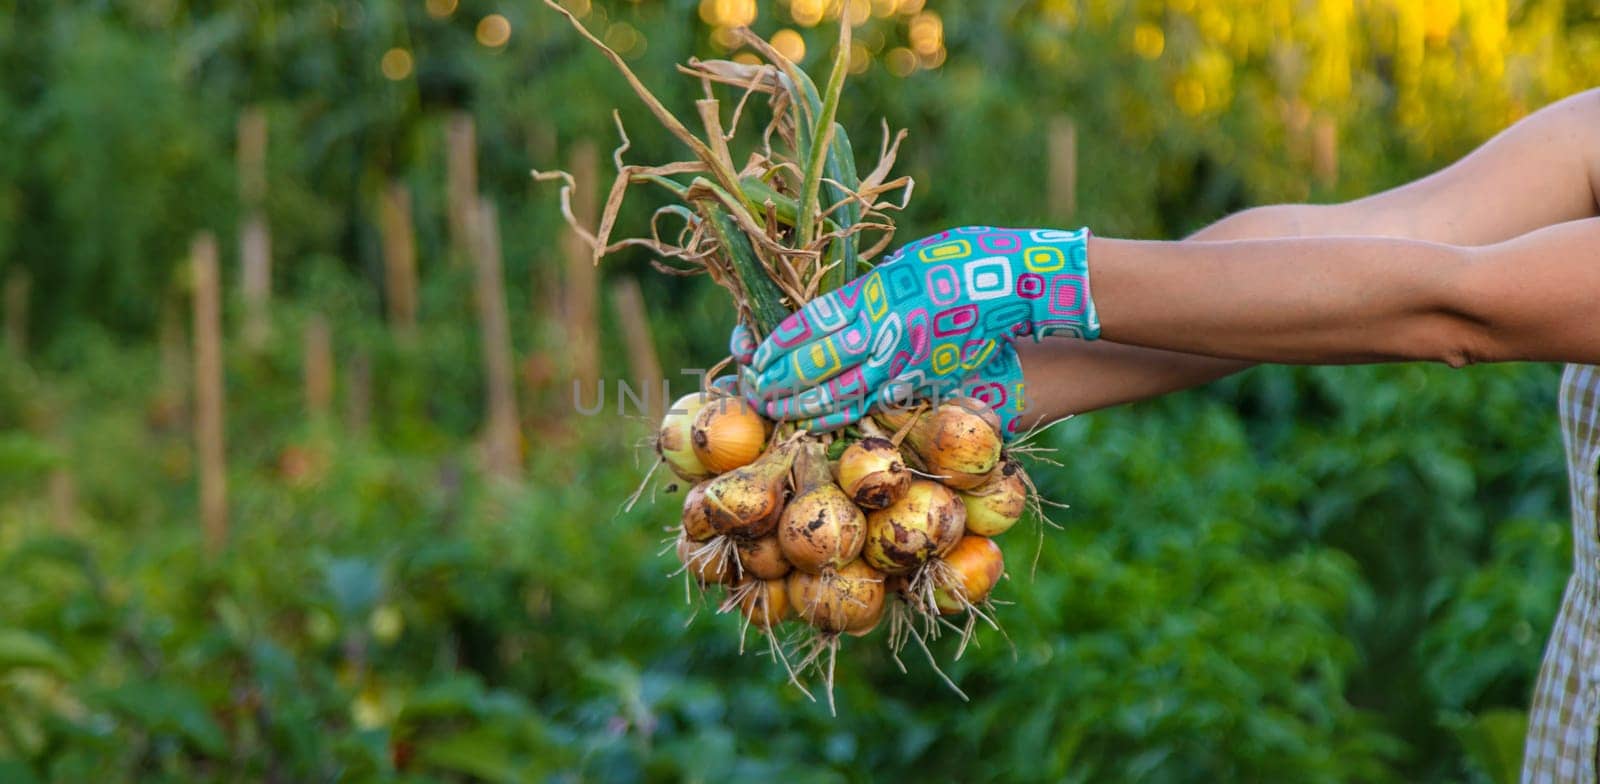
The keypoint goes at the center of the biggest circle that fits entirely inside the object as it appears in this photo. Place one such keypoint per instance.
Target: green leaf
(455, 696)
(19, 649)
(499, 752)
(23, 453)
(766, 299)
(356, 584)
(1493, 741)
(838, 446)
(844, 250)
(16, 772)
(811, 184)
(167, 707)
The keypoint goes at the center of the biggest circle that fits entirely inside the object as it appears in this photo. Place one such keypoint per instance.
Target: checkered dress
(1565, 717)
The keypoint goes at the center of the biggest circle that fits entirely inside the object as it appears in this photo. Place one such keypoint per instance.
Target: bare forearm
(1330, 300)
(1072, 376)
(1066, 376)
(1334, 300)
(1540, 172)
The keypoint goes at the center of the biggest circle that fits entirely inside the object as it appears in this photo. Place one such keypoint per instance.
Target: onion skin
(924, 524)
(745, 502)
(959, 441)
(695, 524)
(862, 630)
(674, 439)
(978, 563)
(728, 433)
(820, 528)
(873, 474)
(849, 599)
(997, 504)
(767, 605)
(762, 558)
(706, 570)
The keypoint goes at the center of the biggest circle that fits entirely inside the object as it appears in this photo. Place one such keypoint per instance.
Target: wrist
(1052, 277)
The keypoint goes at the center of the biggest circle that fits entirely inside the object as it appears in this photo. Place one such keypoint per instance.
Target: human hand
(997, 381)
(921, 322)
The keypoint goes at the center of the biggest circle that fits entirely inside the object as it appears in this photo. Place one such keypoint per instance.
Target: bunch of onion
(708, 433)
(821, 533)
(793, 222)
(957, 442)
(726, 533)
(935, 540)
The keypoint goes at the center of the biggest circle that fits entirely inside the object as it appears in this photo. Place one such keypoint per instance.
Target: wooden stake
(462, 189)
(502, 440)
(1325, 151)
(1063, 185)
(358, 395)
(318, 368)
(255, 282)
(399, 257)
(251, 156)
(209, 392)
(17, 289)
(255, 239)
(644, 365)
(581, 299)
(63, 500)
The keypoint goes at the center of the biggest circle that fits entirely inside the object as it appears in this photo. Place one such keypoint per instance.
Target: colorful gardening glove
(997, 381)
(923, 321)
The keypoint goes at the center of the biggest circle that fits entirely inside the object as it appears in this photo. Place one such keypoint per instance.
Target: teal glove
(923, 321)
(997, 382)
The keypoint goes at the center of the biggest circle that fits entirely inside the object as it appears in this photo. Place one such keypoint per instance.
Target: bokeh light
(1190, 95)
(926, 31)
(396, 64)
(900, 61)
(860, 58)
(494, 31)
(790, 44)
(1149, 41)
(625, 39)
(807, 13)
(725, 38)
(728, 13)
(858, 11)
(441, 9)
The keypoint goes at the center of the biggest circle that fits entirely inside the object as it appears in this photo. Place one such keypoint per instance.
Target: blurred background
(277, 287)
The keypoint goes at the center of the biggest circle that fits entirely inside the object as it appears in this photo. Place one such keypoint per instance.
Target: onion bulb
(674, 439)
(820, 528)
(695, 523)
(924, 524)
(975, 565)
(708, 564)
(997, 504)
(761, 558)
(764, 602)
(958, 441)
(849, 599)
(745, 503)
(728, 433)
(872, 473)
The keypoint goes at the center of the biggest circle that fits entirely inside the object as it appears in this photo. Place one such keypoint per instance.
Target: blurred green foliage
(1295, 575)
